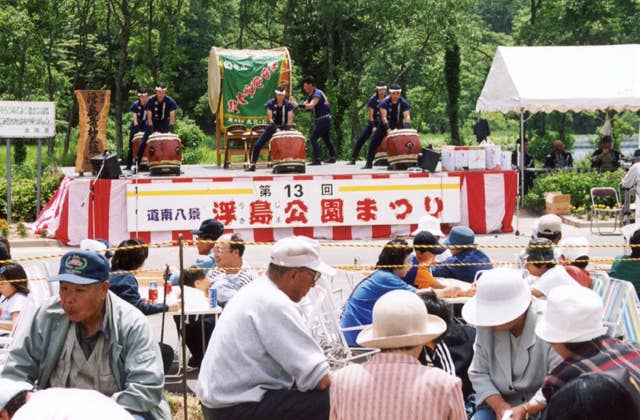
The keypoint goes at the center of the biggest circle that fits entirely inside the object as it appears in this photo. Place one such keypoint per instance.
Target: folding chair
(20, 329)
(600, 283)
(607, 197)
(631, 315)
(236, 143)
(615, 299)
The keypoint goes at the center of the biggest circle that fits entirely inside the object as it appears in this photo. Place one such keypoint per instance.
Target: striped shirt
(395, 386)
(227, 285)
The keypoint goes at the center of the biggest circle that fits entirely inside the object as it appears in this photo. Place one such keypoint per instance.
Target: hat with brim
(83, 268)
(574, 314)
(400, 319)
(300, 251)
(10, 388)
(430, 224)
(502, 295)
(460, 235)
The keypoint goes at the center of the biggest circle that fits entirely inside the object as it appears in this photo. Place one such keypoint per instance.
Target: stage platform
(332, 201)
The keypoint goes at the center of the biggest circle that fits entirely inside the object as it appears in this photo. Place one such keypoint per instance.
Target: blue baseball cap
(82, 268)
(460, 235)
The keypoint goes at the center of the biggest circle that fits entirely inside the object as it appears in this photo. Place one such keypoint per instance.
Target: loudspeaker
(106, 166)
(428, 159)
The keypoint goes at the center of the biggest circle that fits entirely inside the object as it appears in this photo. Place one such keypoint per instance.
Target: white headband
(161, 89)
(281, 92)
(395, 90)
(143, 94)
(381, 87)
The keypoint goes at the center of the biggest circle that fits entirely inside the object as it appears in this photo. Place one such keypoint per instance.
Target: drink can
(168, 287)
(153, 291)
(213, 297)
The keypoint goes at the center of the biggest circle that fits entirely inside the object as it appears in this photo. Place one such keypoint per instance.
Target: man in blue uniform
(318, 102)
(279, 117)
(374, 120)
(161, 115)
(394, 114)
(138, 121)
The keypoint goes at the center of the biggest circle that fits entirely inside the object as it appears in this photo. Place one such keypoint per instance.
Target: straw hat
(502, 295)
(400, 319)
(574, 314)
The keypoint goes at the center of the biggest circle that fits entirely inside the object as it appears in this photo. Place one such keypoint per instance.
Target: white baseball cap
(574, 314)
(549, 224)
(400, 319)
(502, 295)
(578, 247)
(10, 388)
(430, 224)
(300, 251)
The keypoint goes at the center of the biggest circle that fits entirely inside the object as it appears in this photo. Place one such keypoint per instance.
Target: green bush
(23, 191)
(540, 146)
(578, 184)
(192, 138)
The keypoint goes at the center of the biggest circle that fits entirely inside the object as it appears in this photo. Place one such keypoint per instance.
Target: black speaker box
(428, 159)
(106, 166)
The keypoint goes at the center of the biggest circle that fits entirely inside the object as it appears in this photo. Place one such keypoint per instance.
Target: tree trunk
(452, 78)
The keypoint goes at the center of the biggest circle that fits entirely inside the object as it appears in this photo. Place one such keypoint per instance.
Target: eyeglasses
(220, 250)
(316, 275)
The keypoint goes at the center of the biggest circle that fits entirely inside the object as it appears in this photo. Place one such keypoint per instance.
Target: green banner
(247, 84)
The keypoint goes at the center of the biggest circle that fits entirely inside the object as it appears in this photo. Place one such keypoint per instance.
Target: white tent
(583, 78)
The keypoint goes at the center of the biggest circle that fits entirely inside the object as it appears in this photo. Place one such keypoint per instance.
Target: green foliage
(541, 146)
(192, 138)
(23, 191)
(578, 184)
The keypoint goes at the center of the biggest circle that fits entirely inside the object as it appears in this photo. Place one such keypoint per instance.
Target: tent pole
(521, 165)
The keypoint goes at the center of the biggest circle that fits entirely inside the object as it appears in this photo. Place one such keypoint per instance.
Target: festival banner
(93, 109)
(281, 203)
(248, 83)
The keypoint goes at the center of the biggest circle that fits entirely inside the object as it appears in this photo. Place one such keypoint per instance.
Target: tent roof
(584, 78)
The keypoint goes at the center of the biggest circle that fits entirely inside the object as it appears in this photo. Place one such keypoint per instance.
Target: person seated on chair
(262, 361)
(627, 267)
(541, 263)
(90, 338)
(14, 291)
(279, 117)
(453, 267)
(559, 158)
(230, 273)
(509, 363)
(573, 325)
(392, 266)
(606, 158)
(205, 237)
(426, 248)
(394, 114)
(393, 384)
(574, 257)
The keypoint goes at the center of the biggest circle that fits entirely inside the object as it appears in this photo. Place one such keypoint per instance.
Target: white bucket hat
(430, 224)
(574, 314)
(502, 295)
(574, 247)
(10, 388)
(300, 251)
(400, 319)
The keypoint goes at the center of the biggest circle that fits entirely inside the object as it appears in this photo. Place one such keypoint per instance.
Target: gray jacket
(492, 372)
(135, 355)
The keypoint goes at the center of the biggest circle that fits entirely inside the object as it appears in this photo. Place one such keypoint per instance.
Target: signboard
(247, 84)
(279, 203)
(27, 120)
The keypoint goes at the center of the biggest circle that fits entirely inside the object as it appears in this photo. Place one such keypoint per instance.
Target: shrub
(578, 184)
(192, 137)
(23, 191)
(540, 146)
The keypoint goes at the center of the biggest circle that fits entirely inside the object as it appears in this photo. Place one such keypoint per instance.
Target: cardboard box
(558, 203)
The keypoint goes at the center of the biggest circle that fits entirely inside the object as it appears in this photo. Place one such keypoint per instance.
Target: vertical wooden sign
(93, 108)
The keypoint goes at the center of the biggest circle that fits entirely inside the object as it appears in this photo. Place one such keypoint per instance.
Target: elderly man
(262, 361)
(90, 338)
(559, 158)
(454, 266)
(230, 273)
(573, 325)
(393, 384)
(509, 363)
(18, 401)
(631, 180)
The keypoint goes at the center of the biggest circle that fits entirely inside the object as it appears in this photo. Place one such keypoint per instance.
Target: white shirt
(632, 178)
(10, 305)
(70, 404)
(260, 343)
(552, 278)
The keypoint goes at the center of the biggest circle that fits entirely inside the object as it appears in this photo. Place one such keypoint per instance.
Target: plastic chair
(604, 196)
(236, 143)
(615, 300)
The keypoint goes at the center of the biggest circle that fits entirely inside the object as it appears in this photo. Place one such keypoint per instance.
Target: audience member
(262, 346)
(19, 401)
(596, 396)
(391, 268)
(541, 263)
(90, 338)
(5, 254)
(573, 325)
(14, 291)
(426, 248)
(206, 235)
(124, 284)
(627, 267)
(558, 158)
(467, 253)
(632, 180)
(428, 223)
(453, 350)
(393, 384)
(550, 227)
(97, 245)
(574, 256)
(230, 273)
(510, 362)
(605, 157)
